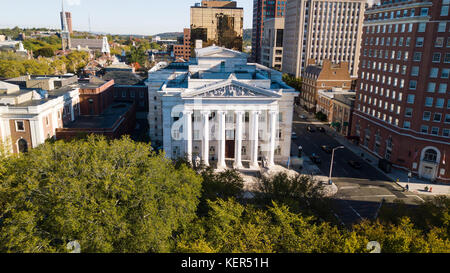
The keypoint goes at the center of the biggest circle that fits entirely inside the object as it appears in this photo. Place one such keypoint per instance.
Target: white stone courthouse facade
(222, 110)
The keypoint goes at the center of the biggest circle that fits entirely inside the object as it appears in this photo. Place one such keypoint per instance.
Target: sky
(145, 17)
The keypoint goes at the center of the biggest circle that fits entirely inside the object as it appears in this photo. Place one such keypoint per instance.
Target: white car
(302, 116)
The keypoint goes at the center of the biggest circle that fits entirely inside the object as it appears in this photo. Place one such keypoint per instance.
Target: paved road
(360, 190)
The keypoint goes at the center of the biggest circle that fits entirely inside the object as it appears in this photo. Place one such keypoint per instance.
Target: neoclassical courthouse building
(222, 110)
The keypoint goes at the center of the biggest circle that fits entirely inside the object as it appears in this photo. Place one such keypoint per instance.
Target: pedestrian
(431, 188)
(407, 187)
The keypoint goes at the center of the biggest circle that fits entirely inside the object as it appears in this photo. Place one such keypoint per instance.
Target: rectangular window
(407, 124)
(437, 117)
(444, 10)
(415, 71)
(440, 103)
(441, 26)
(436, 57)
(421, 27)
(428, 101)
(20, 126)
(411, 98)
(408, 112)
(435, 131)
(444, 73)
(424, 129)
(442, 88)
(431, 87)
(439, 42)
(434, 72)
(446, 132)
(412, 84)
(419, 41)
(426, 115)
(417, 56)
(447, 118)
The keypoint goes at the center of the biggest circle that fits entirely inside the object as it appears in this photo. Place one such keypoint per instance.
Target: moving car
(321, 129)
(294, 135)
(311, 129)
(315, 158)
(327, 149)
(355, 164)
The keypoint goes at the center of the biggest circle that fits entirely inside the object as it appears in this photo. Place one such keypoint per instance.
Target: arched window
(430, 155)
(23, 146)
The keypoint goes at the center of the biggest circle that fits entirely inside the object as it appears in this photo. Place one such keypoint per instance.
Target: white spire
(64, 18)
(105, 46)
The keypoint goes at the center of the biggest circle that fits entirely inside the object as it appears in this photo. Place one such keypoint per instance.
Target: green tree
(110, 196)
(44, 52)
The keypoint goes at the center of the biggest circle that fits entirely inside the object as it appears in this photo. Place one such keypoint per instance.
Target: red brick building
(95, 96)
(183, 50)
(403, 104)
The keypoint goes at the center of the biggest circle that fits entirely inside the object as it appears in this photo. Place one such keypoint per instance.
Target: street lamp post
(332, 159)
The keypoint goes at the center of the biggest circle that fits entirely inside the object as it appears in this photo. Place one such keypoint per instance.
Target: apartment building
(403, 104)
(264, 10)
(272, 43)
(322, 29)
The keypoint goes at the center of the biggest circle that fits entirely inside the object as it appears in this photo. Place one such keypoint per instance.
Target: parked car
(321, 129)
(315, 158)
(355, 164)
(311, 129)
(302, 116)
(294, 135)
(327, 149)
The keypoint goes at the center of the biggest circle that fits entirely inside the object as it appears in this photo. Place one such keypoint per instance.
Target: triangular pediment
(231, 89)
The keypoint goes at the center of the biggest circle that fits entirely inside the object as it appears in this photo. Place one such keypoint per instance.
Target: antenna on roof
(89, 21)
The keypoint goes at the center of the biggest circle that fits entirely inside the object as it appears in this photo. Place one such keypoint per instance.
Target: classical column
(205, 149)
(187, 130)
(254, 139)
(221, 140)
(273, 130)
(238, 141)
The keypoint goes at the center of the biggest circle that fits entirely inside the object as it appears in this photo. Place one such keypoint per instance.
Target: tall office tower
(262, 11)
(65, 34)
(402, 110)
(322, 29)
(218, 22)
(68, 21)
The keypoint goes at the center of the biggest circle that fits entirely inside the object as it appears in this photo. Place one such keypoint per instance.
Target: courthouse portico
(223, 109)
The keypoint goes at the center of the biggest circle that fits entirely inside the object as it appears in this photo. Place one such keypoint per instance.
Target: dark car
(315, 159)
(310, 129)
(294, 135)
(321, 129)
(355, 164)
(327, 149)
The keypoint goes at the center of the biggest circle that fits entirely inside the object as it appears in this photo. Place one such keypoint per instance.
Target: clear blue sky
(145, 17)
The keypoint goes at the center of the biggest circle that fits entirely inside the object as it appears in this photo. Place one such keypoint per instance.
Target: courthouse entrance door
(229, 144)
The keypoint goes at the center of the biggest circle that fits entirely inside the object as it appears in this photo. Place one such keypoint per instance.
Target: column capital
(240, 112)
(205, 112)
(221, 112)
(273, 112)
(255, 112)
(187, 112)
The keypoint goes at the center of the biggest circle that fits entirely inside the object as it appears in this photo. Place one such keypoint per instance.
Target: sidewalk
(400, 177)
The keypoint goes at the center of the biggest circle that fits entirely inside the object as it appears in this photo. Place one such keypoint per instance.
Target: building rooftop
(105, 121)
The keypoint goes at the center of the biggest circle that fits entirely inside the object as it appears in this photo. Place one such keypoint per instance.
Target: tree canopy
(115, 196)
